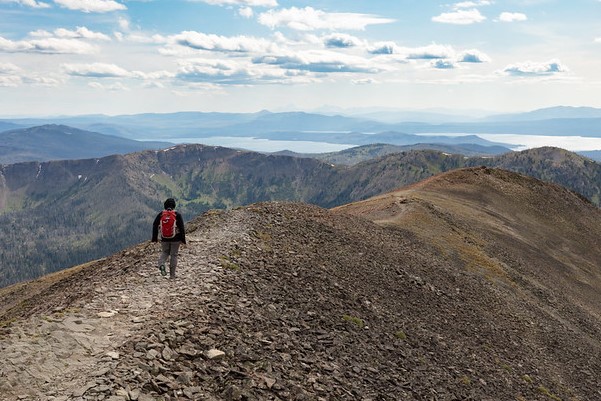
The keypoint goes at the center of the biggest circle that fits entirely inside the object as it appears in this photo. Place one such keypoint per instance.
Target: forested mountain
(67, 212)
(60, 142)
(363, 153)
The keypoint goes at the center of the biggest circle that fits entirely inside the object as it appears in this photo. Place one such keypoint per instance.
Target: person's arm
(155, 228)
(179, 221)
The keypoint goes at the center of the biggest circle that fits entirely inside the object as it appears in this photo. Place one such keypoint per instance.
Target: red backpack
(167, 225)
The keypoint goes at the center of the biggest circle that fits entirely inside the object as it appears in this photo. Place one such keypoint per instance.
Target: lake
(513, 141)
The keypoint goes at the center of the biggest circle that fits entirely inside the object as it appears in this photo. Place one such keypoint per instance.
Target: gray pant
(169, 250)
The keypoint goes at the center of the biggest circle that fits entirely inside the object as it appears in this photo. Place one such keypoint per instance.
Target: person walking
(169, 224)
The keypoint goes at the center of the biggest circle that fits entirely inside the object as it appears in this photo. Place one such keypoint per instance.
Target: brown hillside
(474, 285)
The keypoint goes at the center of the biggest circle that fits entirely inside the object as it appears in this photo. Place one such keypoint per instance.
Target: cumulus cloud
(341, 40)
(28, 3)
(96, 70)
(598, 40)
(248, 3)
(429, 52)
(443, 64)
(116, 87)
(246, 12)
(383, 48)
(124, 24)
(79, 33)
(534, 69)
(228, 72)
(12, 76)
(309, 19)
(472, 4)
(47, 45)
(460, 17)
(91, 6)
(473, 56)
(321, 62)
(211, 42)
(105, 70)
(512, 17)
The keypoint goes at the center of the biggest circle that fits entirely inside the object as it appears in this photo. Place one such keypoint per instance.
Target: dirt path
(65, 355)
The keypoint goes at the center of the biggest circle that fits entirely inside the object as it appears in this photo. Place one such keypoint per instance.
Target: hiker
(170, 225)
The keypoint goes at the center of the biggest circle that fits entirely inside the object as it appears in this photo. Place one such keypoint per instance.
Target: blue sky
(66, 57)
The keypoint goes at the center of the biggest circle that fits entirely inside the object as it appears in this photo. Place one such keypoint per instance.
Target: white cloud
(534, 69)
(341, 40)
(47, 46)
(105, 70)
(41, 81)
(248, 3)
(429, 52)
(309, 19)
(364, 81)
(472, 4)
(28, 3)
(79, 33)
(12, 75)
(384, 48)
(8, 68)
(91, 6)
(443, 64)
(211, 42)
(321, 62)
(461, 17)
(116, 87)
(97, 70)
(598, 40)
(246, 12)
(124, 24)
(473, 56)
(10, 81)
(512, 17)
(228, 72)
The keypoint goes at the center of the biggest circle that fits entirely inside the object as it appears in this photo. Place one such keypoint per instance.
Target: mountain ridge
(449, 295)
(56, 142)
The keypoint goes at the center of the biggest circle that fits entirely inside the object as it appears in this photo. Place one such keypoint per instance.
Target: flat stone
(214, 354)
(113, 354)
(107, 314)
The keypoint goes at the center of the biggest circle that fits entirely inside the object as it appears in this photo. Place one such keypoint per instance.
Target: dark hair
(169, 203)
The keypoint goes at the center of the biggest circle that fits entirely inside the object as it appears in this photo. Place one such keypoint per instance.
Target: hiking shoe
(163, 271)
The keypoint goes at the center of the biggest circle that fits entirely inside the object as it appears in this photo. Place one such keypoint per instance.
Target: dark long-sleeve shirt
(181, 232)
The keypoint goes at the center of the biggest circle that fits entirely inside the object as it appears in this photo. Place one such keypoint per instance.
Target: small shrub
(545, 391)
(400, 335)
(228, 264)
(354, 320)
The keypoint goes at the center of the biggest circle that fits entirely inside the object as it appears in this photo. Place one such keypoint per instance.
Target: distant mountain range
(569, 121)
(94, 207)
(59, 142)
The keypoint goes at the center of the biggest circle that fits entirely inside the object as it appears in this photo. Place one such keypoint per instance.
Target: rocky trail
(286, 301)
(69, 350)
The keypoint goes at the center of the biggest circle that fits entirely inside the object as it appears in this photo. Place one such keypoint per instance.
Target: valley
(91, 208)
